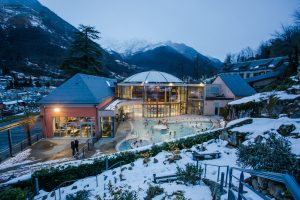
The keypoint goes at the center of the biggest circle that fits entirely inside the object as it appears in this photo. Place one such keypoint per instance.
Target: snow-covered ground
(138, 176)
(19, 159)
(281, 95)
(261, 125)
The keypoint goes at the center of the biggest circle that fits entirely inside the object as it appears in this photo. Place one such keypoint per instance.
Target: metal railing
(88, 146)
(69, 182)
(18, 147)
(289, 181)
(219, 167)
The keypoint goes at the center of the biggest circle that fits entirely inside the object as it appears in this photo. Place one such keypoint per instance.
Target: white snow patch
(281, 95)
(18, 159)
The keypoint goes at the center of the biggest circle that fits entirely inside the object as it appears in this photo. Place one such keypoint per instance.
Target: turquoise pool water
(146, 131)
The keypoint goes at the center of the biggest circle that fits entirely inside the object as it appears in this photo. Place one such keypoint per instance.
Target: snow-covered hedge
(51, 178)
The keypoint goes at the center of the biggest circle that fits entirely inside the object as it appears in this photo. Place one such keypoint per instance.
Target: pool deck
(58, 150)
(126, 131)
(108, 145)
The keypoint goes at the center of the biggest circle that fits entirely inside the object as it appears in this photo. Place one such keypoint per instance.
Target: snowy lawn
(137, 176)
(18, 159)
(262, 125)
(281, 95)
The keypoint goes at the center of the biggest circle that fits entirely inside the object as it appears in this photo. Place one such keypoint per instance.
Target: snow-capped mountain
(31, 33)
(176, 58)
(129, 48)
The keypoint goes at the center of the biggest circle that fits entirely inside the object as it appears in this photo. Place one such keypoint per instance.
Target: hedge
(52, 177)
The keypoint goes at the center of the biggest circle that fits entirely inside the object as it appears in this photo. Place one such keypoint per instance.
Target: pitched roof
(268, 75)
(238, 86)
(81, 89)
(252, 65)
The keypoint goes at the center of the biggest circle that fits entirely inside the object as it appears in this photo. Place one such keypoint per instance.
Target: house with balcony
(258, 73)
(225, 88)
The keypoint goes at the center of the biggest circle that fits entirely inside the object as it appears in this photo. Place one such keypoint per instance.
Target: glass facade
(107, 126)
(162, 100)
(74, 126)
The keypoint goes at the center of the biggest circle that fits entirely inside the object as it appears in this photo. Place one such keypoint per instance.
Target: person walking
(73, 147)
(76, 145)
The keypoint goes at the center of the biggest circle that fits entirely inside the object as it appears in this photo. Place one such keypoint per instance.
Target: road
(18, 134)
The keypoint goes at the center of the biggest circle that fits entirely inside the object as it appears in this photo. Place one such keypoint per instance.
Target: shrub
(51, 178)
(286, 129)
(120, 194)
(272, 155)
(153, 191)
(13, 193)
(80, 195)
(190, 175)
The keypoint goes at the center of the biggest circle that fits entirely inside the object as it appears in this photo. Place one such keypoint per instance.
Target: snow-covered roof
(152, 77)
(281, 95)
(260, 126)
(113, 105)
(252, 65)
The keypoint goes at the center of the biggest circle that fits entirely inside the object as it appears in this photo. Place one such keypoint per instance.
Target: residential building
(225, 88)
(258, 73)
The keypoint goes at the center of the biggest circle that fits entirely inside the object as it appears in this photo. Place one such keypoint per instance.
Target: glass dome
(152, 77)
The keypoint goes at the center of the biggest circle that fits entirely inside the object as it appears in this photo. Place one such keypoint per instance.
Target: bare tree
(228, 59)
(245, 54)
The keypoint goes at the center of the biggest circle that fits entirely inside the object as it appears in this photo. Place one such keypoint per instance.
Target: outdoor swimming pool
(149, 131)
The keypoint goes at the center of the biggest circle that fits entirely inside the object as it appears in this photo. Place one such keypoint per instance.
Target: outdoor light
(56, 109)
(201, 84)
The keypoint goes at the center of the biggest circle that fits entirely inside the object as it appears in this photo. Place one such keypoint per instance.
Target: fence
(58, 192)
(88, 146)
(20, 128)
(16, 148)
(219, 168)
(289, 181)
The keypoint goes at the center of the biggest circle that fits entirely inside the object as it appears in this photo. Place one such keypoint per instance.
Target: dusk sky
(213, 27)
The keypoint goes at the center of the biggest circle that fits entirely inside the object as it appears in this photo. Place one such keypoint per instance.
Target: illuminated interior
(159, 97)
(74, 126)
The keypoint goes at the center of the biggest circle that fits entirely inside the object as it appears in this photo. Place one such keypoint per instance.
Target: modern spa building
(158, 94)
(92, 106)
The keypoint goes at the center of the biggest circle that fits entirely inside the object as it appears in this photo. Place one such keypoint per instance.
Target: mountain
(32, 35)
(35, 40)
(175, 58)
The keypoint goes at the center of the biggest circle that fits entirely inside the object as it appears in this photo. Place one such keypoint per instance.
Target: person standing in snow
(76, 145)
(73, 147)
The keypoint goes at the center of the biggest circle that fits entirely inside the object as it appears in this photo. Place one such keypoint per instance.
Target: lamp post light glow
(56, 109)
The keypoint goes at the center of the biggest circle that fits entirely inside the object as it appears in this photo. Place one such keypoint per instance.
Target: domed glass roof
(152, 77)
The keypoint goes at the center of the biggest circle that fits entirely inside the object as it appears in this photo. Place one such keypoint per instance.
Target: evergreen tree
(5, 70)
(85, 54)
(16, 83)
(196, 68)
(38, 83)
(30, 83)
(274, 154)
